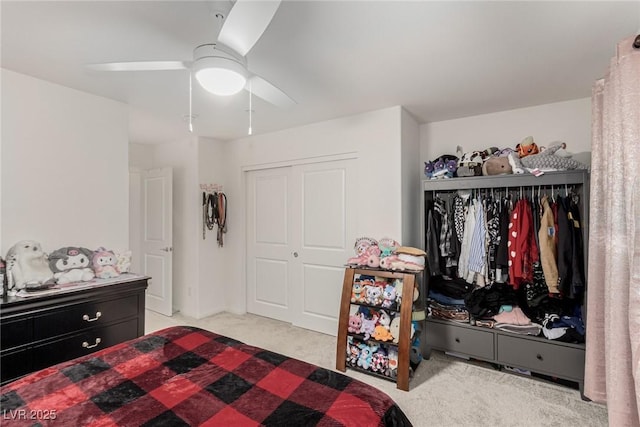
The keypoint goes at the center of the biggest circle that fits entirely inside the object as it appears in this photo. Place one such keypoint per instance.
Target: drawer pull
(86, 344)
(457, 339)
(89, 319)
(539, 357)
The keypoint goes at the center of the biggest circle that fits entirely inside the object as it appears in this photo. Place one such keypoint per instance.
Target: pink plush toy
(355, 323)
(367, 253)
(104, 263)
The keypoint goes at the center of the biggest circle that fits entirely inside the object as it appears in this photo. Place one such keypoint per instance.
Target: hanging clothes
(493, 237)
(469, 226)
(548, 250)
(502, 252)
(477, 249)
(433, 254)
(523, 251)
(576, 286)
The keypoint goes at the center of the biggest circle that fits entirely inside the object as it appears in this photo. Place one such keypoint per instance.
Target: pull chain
(250, 108)
(190, 104)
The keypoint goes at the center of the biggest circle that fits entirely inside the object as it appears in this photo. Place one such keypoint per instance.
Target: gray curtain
(612, 371)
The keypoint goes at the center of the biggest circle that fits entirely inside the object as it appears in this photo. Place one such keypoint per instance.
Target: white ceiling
(441, 60)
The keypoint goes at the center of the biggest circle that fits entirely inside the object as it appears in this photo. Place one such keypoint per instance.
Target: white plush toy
(27, 265)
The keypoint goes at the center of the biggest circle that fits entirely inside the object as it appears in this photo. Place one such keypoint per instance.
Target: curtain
(612, 370)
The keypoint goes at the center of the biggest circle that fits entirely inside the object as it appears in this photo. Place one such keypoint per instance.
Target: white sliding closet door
(300, 231)
(268, 243)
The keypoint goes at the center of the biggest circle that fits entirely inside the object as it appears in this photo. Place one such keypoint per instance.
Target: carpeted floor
(443, 392)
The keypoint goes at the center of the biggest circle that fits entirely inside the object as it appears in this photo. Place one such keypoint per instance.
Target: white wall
(374, 137)
(64, 166)
(212, 270)
(568, 121)
(141, 156)
(411, 178)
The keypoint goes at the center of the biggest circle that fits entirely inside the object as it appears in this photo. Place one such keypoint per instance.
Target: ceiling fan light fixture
(220, 76)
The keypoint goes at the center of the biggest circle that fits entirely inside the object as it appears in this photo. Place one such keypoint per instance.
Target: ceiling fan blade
(140, 66)
(245, 23)
(265, 90)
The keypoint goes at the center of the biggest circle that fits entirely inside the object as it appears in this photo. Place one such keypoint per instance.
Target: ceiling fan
(221, 67)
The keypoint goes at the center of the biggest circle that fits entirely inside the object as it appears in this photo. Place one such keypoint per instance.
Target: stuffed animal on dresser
(26, 264)
(104, 263)
(71, 264)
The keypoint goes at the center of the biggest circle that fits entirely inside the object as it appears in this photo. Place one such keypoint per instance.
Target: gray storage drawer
(460, 339)
(539, 356)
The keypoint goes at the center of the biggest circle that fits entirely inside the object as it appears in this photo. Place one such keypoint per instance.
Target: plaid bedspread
(185, 376)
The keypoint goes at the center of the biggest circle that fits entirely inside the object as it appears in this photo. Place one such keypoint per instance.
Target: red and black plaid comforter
(185, 376)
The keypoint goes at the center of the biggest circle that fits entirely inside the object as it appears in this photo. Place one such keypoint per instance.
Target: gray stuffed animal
(547, 160)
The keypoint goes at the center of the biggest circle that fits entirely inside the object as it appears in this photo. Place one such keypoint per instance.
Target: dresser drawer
(460, 339)
(83, 343)
(15, 332)
(82, 316)
(543, 357)
(14, 365)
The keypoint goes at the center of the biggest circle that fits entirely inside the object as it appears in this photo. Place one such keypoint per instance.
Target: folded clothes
(439, 311)
(531, 329)
(513, 317)
(454, 288)
(443, 299)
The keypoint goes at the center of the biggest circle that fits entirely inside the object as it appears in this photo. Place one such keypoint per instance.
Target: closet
(494, 281)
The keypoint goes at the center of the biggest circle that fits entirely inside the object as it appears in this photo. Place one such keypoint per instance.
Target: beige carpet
(443, 392)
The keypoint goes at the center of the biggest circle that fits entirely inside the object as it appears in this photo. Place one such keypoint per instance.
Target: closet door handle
(539, 357)
(457, 340)
(86, 344)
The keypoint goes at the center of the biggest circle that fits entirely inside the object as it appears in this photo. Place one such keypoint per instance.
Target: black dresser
(40, 331)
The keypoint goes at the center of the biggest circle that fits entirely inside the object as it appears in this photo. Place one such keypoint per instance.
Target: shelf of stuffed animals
(375, 324)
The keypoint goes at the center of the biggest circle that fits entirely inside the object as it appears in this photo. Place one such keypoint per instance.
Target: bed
(188, 376)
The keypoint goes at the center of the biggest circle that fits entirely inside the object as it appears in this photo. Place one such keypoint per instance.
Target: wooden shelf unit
(404, 340)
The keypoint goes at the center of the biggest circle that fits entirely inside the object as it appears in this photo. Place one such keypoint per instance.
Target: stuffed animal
(405, 258)
(373, 294)
(443, 167)
(366, 353)
(71, 264)
(394, 328)
(368, 327)
(27, 265)
(353, 352)
(379, 361)
(385, 319)
(497, 166)
(381, 333)
(547, 160)
(367, 253)
(527, 147)
(392, 362)
(104, 264)
(124, 261)
(470, 164)
(388, 296)
(355, 323)
(357, 291)
(387, 246)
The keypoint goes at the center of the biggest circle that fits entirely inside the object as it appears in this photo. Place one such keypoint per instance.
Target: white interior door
(268, 243)
(157, 238)
(300, 231)
(323, 231)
